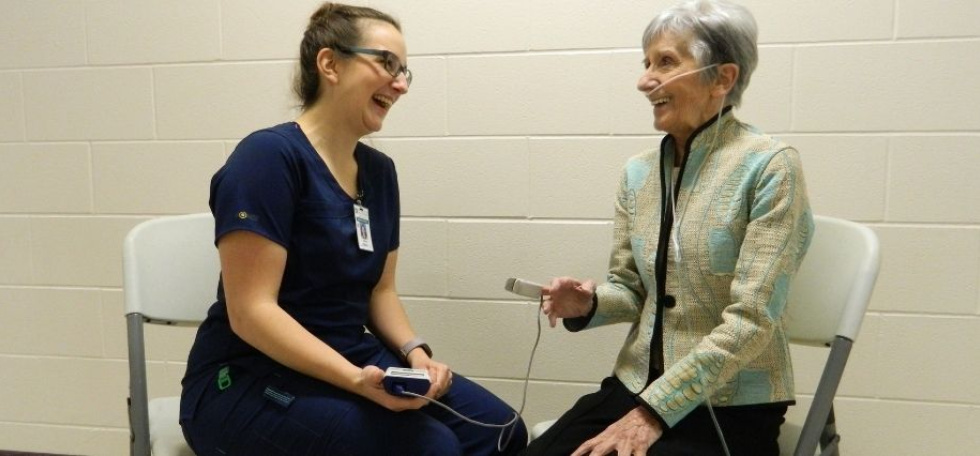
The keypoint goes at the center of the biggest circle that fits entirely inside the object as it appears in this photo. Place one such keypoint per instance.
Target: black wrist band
(412, 345)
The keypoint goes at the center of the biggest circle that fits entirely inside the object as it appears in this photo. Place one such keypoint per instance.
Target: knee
(517, 438)
(496, 441)
(439, 441)
(407, 440)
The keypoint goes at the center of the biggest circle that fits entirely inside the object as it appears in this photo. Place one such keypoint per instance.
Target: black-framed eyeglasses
(390, 61)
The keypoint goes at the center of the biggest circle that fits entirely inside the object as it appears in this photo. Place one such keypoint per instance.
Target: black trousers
(748, 430)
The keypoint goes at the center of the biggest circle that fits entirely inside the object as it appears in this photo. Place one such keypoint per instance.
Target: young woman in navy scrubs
(307, 230)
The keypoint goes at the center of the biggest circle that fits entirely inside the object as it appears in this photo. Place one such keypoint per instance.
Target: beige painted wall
(508, 148)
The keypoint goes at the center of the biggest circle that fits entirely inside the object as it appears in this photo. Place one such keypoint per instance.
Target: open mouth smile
(383, 101)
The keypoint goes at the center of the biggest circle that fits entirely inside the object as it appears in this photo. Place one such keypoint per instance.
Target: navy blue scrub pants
(283, 412)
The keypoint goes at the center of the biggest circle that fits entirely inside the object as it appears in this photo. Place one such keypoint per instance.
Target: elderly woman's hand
(567, 298)
(633, 434)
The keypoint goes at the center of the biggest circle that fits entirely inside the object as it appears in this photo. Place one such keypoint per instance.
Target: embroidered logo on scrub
(243, 215)
(224, 378)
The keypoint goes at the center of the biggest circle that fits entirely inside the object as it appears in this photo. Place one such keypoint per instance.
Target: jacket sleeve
(620, 299)
(777, 235)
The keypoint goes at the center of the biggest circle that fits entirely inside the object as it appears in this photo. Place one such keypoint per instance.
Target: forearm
(390, 324)
(386, 315)
(616, 303)
(620, 299)
(268, 328)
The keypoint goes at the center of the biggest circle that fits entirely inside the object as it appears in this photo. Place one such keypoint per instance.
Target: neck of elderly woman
(710, 111)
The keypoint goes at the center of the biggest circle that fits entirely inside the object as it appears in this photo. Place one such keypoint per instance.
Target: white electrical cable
(502, 442)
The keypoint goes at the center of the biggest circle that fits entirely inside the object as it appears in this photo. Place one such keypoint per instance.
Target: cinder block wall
(509, 148)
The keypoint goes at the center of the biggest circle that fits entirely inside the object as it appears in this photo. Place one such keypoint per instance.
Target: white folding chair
(170, 277)
(827, 302)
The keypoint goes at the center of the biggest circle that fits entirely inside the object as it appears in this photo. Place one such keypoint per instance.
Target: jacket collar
(699, 143)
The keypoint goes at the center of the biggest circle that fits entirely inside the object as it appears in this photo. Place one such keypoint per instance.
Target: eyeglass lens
(394, 66)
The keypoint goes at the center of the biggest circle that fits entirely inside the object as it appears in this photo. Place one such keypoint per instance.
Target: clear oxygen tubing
(686, 73)
(675, 237)
(675, 240)
(505, 436)
(673, 206)
(677, 256)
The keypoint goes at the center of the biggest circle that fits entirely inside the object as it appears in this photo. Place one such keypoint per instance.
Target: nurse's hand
(440, 377)
(369, 385)
(567, 298)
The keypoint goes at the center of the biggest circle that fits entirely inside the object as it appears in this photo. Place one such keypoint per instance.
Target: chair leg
(139, 418)
(817, 419)
(829, 439)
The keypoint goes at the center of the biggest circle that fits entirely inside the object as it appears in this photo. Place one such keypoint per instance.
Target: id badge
(362, 222)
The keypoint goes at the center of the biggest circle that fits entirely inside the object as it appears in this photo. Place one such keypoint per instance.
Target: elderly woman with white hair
(709, 232)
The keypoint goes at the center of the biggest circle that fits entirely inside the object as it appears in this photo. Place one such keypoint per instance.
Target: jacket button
(669, 302)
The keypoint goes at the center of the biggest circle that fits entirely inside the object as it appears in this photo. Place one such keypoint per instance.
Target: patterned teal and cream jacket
(708, 318)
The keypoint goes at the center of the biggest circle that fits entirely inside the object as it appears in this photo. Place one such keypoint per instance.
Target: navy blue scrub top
(276, 185)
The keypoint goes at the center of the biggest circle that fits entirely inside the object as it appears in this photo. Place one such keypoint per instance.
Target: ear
(326, 65)
(727, 75)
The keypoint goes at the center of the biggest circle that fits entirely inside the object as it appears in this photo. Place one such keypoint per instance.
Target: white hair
(718, 32)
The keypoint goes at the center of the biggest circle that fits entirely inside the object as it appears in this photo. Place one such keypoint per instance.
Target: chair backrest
(171, 268)
(170, 276)
(831, 291)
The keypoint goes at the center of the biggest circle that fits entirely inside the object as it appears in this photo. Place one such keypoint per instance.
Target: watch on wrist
(412, 345)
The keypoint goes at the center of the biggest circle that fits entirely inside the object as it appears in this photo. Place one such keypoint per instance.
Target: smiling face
(368, 90)
(683, 104)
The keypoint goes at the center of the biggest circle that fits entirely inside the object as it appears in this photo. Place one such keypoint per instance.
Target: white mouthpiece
(523, 288)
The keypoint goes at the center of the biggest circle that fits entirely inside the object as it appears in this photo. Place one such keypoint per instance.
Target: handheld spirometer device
(400, 380)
